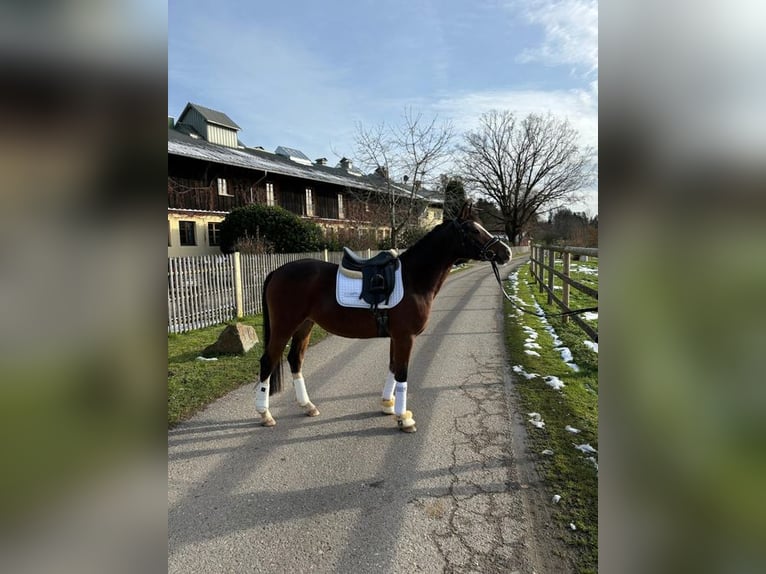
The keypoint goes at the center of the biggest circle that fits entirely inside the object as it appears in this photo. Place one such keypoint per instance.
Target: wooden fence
(210, 289)
(543, 259)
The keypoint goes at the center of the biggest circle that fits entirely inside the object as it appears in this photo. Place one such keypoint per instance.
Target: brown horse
(302, 293)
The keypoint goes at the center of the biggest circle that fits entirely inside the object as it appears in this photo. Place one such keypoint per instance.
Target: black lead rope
(512, 302)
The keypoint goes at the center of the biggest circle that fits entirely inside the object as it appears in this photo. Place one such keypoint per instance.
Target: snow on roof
(181, 145)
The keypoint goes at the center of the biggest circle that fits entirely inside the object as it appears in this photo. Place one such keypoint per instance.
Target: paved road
(347, 492)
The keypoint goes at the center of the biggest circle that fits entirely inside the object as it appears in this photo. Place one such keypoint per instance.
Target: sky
(305, 74)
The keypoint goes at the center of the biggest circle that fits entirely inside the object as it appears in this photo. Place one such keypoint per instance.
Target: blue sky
(302, 74)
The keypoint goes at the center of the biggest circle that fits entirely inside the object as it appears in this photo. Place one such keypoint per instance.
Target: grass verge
(568, 472)
(193, 384)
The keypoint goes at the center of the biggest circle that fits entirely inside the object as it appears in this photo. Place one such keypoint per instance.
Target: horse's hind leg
(270, 372)
(295, 358)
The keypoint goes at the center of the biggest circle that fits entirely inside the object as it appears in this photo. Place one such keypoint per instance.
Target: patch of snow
(533, 353)
(547, 452)
(520, 370)
(591, 345)
(586, 448)
(554, 382)
(536, 420)
(590, 316)
(571, 429)
(566, 354)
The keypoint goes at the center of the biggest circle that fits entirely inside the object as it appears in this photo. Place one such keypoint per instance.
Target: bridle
(485, 251)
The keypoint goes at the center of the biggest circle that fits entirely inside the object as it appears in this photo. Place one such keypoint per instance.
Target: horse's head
(476, 242)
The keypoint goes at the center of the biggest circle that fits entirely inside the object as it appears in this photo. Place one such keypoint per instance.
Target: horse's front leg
(401, 349)
(387, 400)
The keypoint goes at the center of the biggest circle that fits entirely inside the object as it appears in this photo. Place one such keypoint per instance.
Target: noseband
(485, 252)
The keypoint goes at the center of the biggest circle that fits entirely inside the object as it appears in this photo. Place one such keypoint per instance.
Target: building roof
(292, 153)
(212, 116)
(181, 144)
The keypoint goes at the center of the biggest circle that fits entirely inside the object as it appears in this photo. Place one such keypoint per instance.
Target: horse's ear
(466, 212)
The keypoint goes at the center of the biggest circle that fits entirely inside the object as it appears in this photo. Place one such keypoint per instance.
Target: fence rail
(210, 289)
(539, 255)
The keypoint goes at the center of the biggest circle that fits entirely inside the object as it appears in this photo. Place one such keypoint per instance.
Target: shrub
(282, 231)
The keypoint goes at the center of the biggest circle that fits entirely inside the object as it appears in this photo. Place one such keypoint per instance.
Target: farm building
(210, 172)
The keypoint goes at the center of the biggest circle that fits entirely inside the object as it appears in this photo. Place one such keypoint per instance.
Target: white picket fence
(210, 289)
(207, 290)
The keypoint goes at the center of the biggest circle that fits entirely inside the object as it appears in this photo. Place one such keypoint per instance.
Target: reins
(520, 308)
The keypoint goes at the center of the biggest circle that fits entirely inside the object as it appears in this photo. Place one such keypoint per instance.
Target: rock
(235, 339)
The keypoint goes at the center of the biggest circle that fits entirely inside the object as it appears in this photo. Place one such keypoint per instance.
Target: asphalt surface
(346, 491)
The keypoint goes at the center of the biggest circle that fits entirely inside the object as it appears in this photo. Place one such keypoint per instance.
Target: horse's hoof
(311, 410)
(387, 406)
(405, 422)
(267, 420)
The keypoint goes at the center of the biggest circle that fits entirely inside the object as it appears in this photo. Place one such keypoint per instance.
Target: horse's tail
(275, 385)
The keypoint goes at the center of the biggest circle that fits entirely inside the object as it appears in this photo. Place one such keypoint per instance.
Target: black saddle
(378, 274)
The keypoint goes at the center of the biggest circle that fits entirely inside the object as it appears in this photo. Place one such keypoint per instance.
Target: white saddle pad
(348, 290)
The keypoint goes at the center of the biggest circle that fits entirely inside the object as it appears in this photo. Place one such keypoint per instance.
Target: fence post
(326, 256)
(565, 290)
(542, 270)
(551, 261)
(238, 285)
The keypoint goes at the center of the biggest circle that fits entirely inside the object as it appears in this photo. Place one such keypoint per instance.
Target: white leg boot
(302, 396)
(403, 416)
(387, 401)
(262, 403)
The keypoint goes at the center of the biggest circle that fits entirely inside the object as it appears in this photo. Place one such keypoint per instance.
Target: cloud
(579, 106)
(570, 30)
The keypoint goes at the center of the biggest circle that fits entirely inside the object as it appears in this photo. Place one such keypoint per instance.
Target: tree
(274, 227)
(524, 166)
(454, 195)
(413, 152)
(489, 214)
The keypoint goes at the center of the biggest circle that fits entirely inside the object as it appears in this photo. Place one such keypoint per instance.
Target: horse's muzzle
(495, 250)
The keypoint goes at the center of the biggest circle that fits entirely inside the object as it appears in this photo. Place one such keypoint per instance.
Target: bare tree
(525, 166)
(403, 158)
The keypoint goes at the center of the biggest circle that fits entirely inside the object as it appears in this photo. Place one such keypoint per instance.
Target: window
(222, 187)
(309, 202)
(270, 195)
(341, 214)
(186, 231)
(214, 234)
